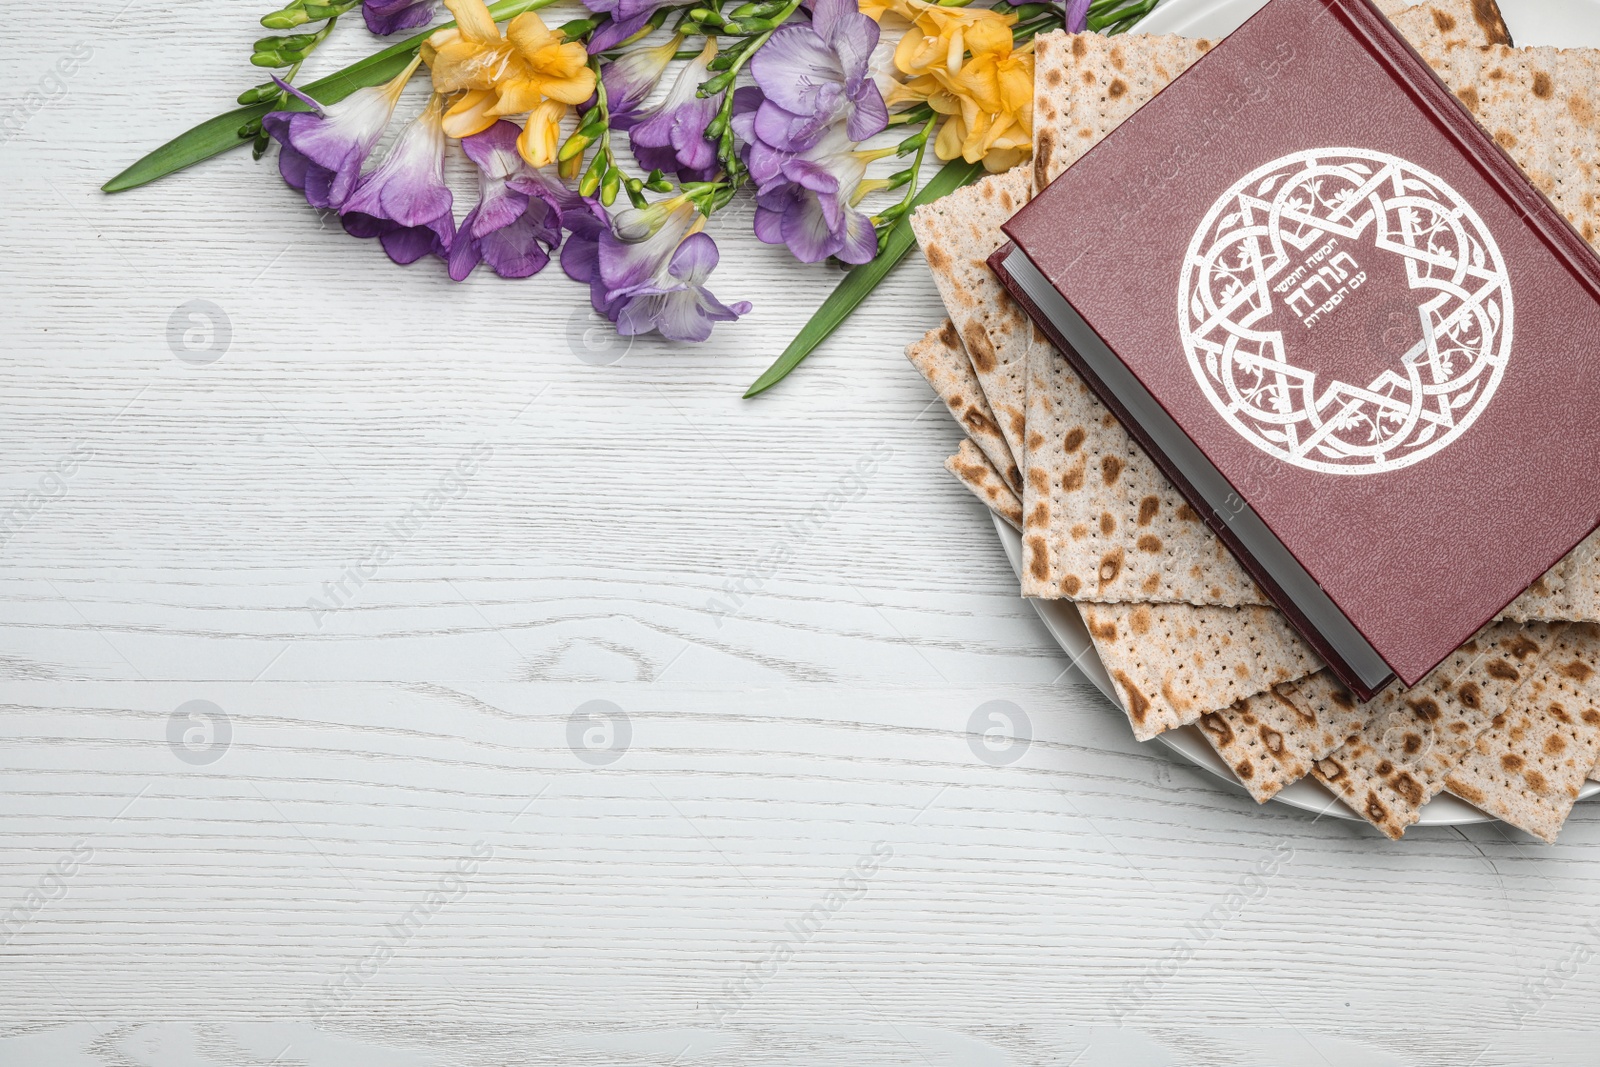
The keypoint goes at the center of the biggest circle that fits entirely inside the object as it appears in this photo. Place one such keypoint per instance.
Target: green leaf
(218, 135)
(863, 279)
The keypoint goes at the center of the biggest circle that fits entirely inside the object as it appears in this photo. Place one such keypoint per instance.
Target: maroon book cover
(1370, 329)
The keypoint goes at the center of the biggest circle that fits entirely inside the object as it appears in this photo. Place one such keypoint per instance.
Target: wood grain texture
(405, 846)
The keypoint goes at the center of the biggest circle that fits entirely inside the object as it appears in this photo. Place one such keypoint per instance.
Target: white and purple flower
(647, 268)
(384, 17)
(630, 78)
(404, 202)
(806, 198)
(323, 149)
(672, 135)
(1077, 19)
(628, 17)
(516, 223)
(812, 76)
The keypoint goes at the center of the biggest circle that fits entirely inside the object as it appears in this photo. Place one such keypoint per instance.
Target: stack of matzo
(1510, 723)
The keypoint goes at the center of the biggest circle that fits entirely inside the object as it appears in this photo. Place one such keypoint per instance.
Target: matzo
(1275, 738)
(957, 233)
(942, 360)
(1172, 663)
(974, 470)
(1416, 738)
(1528, 768)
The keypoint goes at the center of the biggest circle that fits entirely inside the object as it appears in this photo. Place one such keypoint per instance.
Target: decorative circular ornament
(1346, 311)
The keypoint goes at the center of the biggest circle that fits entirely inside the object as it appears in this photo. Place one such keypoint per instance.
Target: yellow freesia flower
(993, 117)
(541, 134)
(964, 63)
(501, 75)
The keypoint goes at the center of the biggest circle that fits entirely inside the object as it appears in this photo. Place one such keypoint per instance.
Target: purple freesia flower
(672, 135)
(585, 224)
(405, 202)
(390, 16)
(517, 221)
(806, 198)
(1077, 15)
(814, 75)
(628, 17)
(323, 149)
(647, 270)
(630, 78)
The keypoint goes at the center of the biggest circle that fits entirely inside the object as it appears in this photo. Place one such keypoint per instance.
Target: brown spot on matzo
(1506, 139)
(1138, 703)
(1523, 647)
(979, 423)
(1110, 567)
(1053, 76)
(1110, 469)
(1582, 110)
(1149, 508)
(1152, 582)
(1139, 622)
(1072, 480)
(1444, 20)
(1468, 96)
(1117, 89)
(1149, 543)
(1543, 87)
(1105, 631)
(1246, 770)
(1074, 439)
(1487, 14)
(1502, 670)
(936, 257)
(1108, 524)
(1187, 514)
(1511, 762)
(1409, 788)
(1470, 695)
(1079, 46)
(1217, 727)
(1536, 782)
(1070, 584)
(1038, 564)
(978, 347)
(1044, 143)
(1578, 671)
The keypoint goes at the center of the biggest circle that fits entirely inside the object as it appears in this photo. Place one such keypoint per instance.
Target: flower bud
(287, 19)
(574, 147)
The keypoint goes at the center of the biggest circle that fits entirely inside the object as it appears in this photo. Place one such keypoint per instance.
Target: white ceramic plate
(1562, 23)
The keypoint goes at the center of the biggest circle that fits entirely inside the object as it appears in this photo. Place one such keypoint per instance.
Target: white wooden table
(402, 831)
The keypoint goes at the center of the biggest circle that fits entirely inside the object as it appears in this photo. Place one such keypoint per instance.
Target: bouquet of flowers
(786, 101)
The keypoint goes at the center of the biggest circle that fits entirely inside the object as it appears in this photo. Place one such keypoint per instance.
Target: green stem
(217, 135)
(1121, 18)
(904, 207)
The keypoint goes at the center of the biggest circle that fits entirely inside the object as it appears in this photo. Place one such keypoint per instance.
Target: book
(1345, 325)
